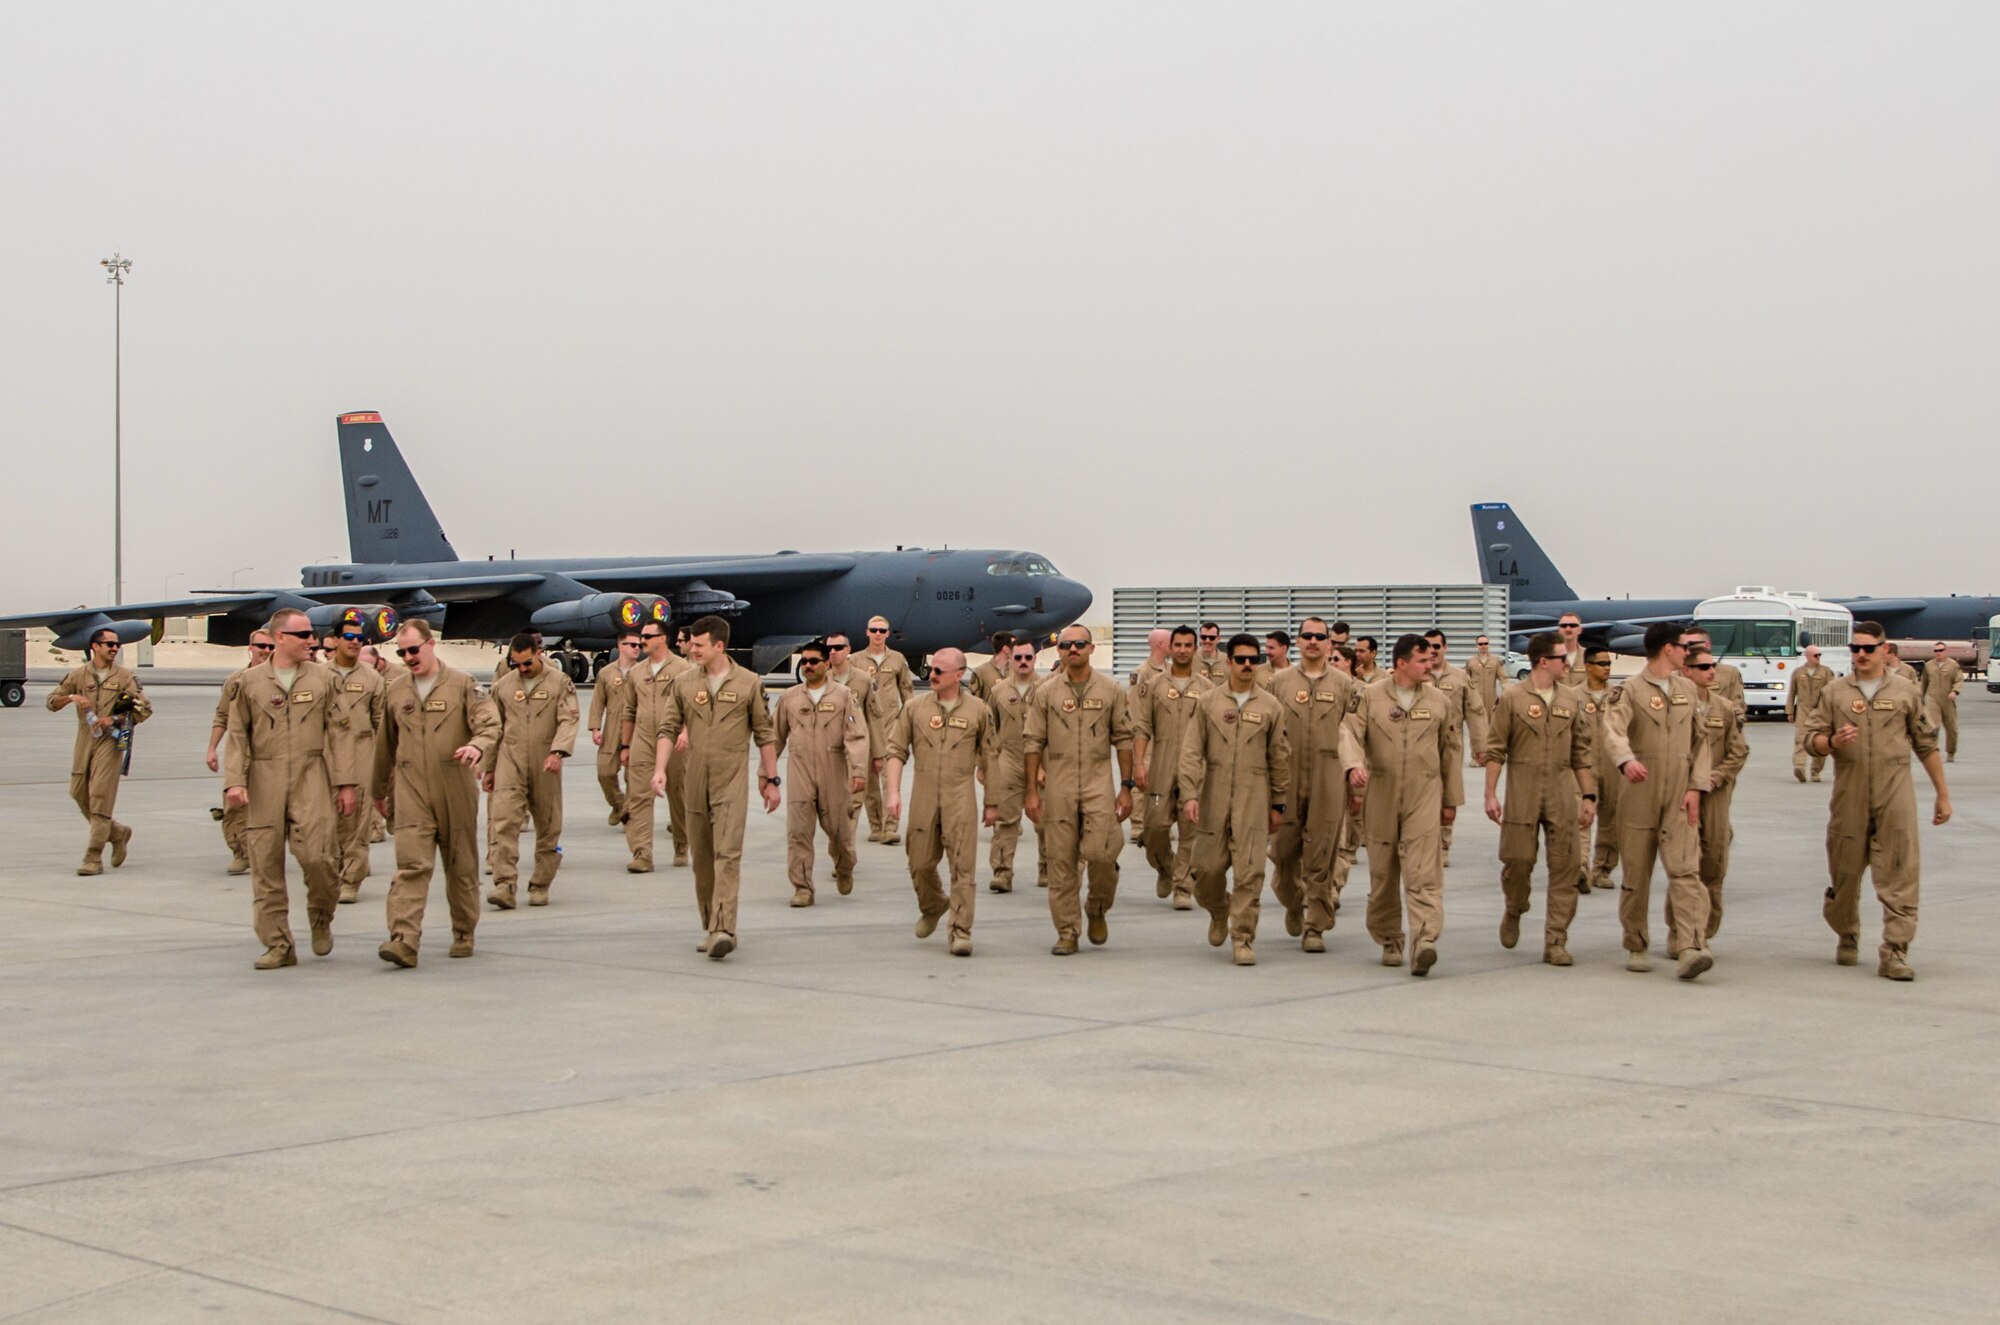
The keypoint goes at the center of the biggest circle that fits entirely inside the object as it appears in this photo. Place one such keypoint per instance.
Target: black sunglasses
(1701, 667)
(297, 634)
(263, 648)
(628, 644)
(1599, 662)
(410, 653)
(105, 643)
(1245, 659)
(653, 636)
(839, 648)
(1864, 648)
(878, 630)
(1314, 634)
(1074, 644)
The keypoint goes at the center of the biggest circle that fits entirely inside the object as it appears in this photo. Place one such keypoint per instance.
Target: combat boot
(1423, 959)
(1218, 930)
(802, 897)
(1894, 967)
(1065, 946)
(1312, 942)
(1163, 886)
(706, 939)
(721, 946)
(90, 865)
(350, 892)
(461, 944)
(397, 954)
(538, 894)
(378, 834)
(1295, 920)
(1183, 901)
(1510, 930)
(926, 926)
(1555, 954)
(1392, 954)
(639, 865)
(892, 839)
(238, 865)
(961, 946)
(1244, 954)
(1693, 961)
(121, 839)
(617, 819)
(322, 936)
(501, 899)
(844, 884)
(1638, 962)
(275, 957)
(680, 856)
(1098, 931)
(1849, 951)
(1799, 772)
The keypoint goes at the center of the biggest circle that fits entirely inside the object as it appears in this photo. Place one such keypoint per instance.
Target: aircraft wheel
(12, 693)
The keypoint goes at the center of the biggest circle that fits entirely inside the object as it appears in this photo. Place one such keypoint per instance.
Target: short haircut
(1660, 634)
(1243, 639)
(714, 627)
(1407, 645)
(418, 624)
(1339, 628)
(1543, 646)
(97, 636)
(1871, 628)
(1567, 617)
(1309, 620)
(278, 617)
(1435, 634)
(525, 642)
(1212, 625)
(1346, 651)
(840, 635)
(1179, 631)
(1002, 640)
(630, 632)
(1282, 639)
(817, 646)
(1370, 641)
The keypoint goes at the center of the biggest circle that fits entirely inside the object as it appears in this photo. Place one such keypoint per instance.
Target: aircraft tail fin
(388, 519)
(1509, 555)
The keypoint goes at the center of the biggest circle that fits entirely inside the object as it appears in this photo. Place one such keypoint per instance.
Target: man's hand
(486, 782)
(102, 724)
(236, 798)
(660, 783)
(347, 800)
(466, 754)
(625, 758)
(1032, 807)
(1277, 820)
(892, 805)
(681, 742)
(771, 798)
(1493, 807)
(1191, 811)
(1139, 778)
(214, 764)
(1633, 770)
(597, 738)
(1450, 813)
(877, 763)
(1357, 777)
(1942, 813)
(854, 785)
(1846, 735)
(382, 806)
(1692, 804)
(553, 764)
(992, 816)
(1587, 816)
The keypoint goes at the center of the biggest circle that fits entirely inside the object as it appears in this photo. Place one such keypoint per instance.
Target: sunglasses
(1864, 648)
(811, 660)
(409, 653)
(104, 643)
(296, 634)
(878, 630)
(628, 644)
(1701, 667)
(943, 671)
(1245, 659)
(1074, 644)
(1211, 638)
(263, 648)
(647, 637)
(1024, 657)
(352, 638)
(839, 648)
(1314, 634)
(1599, 662)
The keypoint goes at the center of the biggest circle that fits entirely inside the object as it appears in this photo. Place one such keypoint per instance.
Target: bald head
(947, 673)
(1157, 641)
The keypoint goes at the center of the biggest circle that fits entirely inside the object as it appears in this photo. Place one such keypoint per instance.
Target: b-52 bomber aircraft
(404, 568)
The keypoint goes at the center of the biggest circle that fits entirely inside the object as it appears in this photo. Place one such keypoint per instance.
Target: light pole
(238, 571)
(167, 586)
(117, 265)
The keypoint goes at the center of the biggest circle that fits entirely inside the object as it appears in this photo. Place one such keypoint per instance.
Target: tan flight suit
(1216, 669)
(1412, 757)
(1140, 680)
(1006, 787)
(1235, 763)
(1487, 681)
(289, 751)
(1873, 824)
(722, 718)
(943, 750)
(357, 700)
(1076, 737)
(232, 815)
(1161, 715)
(96, 763)
(537, 719)
(1545, 746)
(1900, 668)
(889, 688)
(437, 798)
(1316, 807)
(858, 683)
(1800, 695)
(1729, 684)
(1728, 750)
(825, 745)
(645, 708)
(1660, 730)
(984, 677)
(1609, 788)
(609, 697)
(1942, 682)
(1468, 719)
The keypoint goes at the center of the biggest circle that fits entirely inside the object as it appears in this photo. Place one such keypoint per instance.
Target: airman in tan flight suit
(1942, 681)
(943, 733)
(436, 728)
(1137, 685)
(985, 675)
(1468, 714)
(358, 695)
(1801, 694)
(1570, 627)
(1209, 658)
(1487, 670)
(609, 695)
(720, 705)
(650, 684)
(1871, 723)
(1076, 722)
(889, 688)
(857, 682)
(232, 815)
(108, 700)
(1234, 773)
(1656, 743)
(1728, 750)
(1401, 750)
(1316, 698)
(824, 738)
(1160, 717)
(537, 708)
(1598, 696)
(1541, 736)
(1006, 764)
(292, 762)
(1728, 677)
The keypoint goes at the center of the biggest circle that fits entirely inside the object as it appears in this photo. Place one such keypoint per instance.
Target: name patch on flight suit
(1253, 719)
(960, 723)
(434, 706)
(1715, 722)
(726, 697)
(1093, 703)
(1418, 715)
(353, 687)
(1884, 705)
(1326, 696)
(827, 706)
(1559, 712)
(1680, 699)
(302, 697)
(541, 694)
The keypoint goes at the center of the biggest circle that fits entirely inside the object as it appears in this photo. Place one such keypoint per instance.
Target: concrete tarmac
(589, 1121)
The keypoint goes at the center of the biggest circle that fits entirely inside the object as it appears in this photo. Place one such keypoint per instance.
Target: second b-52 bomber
(404, 567)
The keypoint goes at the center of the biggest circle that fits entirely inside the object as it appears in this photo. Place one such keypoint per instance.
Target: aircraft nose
(1067, 599)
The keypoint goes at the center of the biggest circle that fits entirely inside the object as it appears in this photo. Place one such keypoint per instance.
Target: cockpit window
(1036, 566)
(1005, 568)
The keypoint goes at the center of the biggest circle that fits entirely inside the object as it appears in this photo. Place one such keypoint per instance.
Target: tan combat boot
(1295, 920)
(1065, 946)
(1218, 930)
(273, 958)
(844, 884)
(1510, 930)
(1638, 962)
(1555, 954)
(397, 954)
(616, 819)
(802, 897)
(1693, 961)
(961, 946)
(322, 936)
(1423, 959)
(1392, 954)
(238, 865)
(680, 856)
(90, 865)
(538, 894)
(1183, 901)
(721, 946)
(639, 865)
(926, 926)
(1097, 929)
(1849, 951)
(1894, 967)
(501, 899)
(1163, 886)
(706, 939)
(350, 892)
(121, 839)
(461, 944)
(1312, 942)
(1244, 954)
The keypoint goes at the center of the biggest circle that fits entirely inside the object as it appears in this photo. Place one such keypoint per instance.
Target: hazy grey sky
(1259, 293)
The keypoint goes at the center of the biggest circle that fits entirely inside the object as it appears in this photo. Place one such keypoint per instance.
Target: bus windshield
(1738, 638)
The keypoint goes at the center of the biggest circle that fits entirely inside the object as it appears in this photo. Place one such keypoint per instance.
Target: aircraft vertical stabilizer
(1509, 555)
(388, 519)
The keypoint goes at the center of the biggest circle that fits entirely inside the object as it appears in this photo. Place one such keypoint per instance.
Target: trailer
(13, 667)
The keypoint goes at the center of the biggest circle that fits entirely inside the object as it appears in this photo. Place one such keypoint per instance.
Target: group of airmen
(1227, 761)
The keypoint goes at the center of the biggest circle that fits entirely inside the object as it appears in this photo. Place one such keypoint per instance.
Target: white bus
(1992, 647)
(1764, 632)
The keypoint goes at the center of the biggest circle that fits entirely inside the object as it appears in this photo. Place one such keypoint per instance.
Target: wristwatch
(1279, 807)
(1590, 795)
(773, 781)
(1127, 783)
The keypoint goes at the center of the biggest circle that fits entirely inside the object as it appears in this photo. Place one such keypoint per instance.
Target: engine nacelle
(76, 635)
(377, 622)
(598, 615)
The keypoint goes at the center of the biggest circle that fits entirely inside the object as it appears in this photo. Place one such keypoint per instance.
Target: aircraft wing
(471, 589)
(1862, 607)
(743, 575)
(203, 606)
